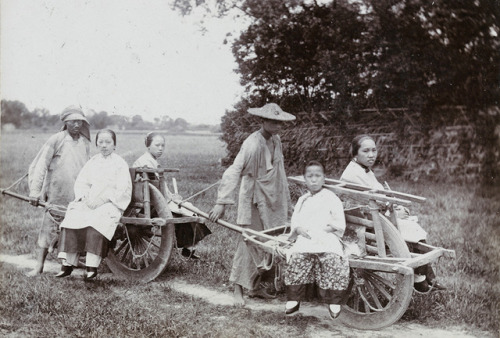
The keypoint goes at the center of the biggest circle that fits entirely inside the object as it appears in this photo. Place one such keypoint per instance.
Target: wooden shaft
(230, 225)
(21, 197)
(379, 234)
(147, 197)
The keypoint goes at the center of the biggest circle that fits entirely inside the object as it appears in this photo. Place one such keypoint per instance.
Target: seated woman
(364, 153)
(103, 191)
(187, 234)
(317, 258)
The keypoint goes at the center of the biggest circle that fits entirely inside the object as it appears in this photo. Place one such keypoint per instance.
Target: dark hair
(109, 131)
(356, 143)
(313, 163)
(150, 136)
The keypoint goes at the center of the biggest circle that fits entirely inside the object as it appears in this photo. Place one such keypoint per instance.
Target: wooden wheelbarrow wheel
(142, 253)
(378, 299)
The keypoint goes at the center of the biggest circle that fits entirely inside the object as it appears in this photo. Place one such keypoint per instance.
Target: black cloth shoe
(436, 286)
(91, 273)
(66, 270)
(422, 286)
(293, 309)
(189, 253)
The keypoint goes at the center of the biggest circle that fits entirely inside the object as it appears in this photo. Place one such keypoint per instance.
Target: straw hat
(272, 111)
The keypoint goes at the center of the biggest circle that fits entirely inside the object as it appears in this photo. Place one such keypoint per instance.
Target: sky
(124, 57)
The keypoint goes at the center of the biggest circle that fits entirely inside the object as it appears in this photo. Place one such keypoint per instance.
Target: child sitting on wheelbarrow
(317, 261)
(187, 234)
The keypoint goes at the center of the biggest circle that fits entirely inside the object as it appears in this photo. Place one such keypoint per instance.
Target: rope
(201, 191)
(16, 182)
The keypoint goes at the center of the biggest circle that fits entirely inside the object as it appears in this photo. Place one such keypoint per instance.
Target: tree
(100, 120)
(180, 124)
(327, 62)
(15, 112)
(425, 54)
(308, 54)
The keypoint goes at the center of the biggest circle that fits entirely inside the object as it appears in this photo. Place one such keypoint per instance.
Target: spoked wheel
(378, 299)
(139, 252)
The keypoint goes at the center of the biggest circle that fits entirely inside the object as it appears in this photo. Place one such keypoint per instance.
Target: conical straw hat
(272, 111)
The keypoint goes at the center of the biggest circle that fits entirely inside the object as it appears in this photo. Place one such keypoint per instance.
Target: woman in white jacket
(103, 191)
(359, 171)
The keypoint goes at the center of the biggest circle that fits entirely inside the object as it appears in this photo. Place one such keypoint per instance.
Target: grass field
(460, 217)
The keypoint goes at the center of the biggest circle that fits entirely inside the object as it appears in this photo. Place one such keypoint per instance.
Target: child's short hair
(150, 136)
(313, 163)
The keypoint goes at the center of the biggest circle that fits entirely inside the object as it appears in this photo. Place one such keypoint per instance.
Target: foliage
(330, 62)
(16, 113)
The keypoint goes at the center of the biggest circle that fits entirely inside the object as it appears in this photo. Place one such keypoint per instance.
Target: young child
(317, 257)
(187, 234)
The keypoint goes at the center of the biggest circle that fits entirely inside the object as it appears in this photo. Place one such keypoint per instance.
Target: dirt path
(325, 328)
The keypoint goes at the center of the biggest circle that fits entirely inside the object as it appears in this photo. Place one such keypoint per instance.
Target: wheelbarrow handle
(21, 197)
(230, 225)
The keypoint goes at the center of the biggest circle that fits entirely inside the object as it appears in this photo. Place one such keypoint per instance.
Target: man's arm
(39, 167)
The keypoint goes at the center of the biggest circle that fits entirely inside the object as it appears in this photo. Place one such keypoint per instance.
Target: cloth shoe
(334, 310)
(91, 272)
(66, 270)
(291, 306)
(189, 253)
(436, 286)
(422, 286)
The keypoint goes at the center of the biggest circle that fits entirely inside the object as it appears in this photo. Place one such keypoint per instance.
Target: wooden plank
(371, 249)
(386, 259)
(380, 266)
(359, 221)
(364, 192)
(370, 236)
(424, 247)
(390, 193)
(157, 170)
(147, 200)
(160, 221)
(424, 259)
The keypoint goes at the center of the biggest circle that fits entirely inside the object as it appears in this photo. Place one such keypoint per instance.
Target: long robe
(263, 201)
(105, 180)
(53, 172)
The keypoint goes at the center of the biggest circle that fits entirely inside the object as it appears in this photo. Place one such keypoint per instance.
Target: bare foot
(37, 271)
(238, 296)
(261, 293)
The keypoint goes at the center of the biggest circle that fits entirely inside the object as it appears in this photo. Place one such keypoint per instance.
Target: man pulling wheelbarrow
(264, 199)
